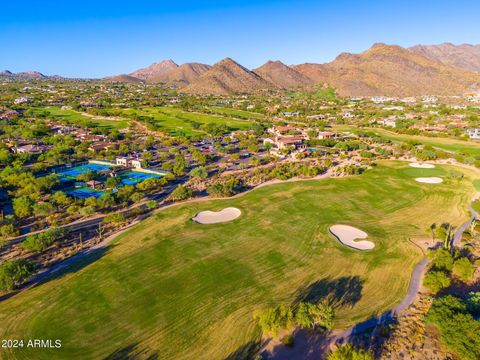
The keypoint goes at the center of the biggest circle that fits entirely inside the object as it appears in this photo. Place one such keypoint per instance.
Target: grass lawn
(243, 114)
(74, 117)
(172, 120)
(452, 145)
(179, 290)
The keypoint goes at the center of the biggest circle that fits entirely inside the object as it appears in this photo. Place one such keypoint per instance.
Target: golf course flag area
(170, 288)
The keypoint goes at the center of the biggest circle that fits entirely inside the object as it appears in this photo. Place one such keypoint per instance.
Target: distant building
(326, 135)
(390, 121)
(429, 99)
(32, 149)
(9, 114)
(22, 100)
(280, 130)
(282, 142)
(474, 134)
(100, 146)
(129, 162)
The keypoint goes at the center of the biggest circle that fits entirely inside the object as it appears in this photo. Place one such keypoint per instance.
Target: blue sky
(87, 38)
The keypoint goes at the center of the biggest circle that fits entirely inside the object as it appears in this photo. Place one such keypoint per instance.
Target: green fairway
(242, 114)
(451, 145)
(75, 118)
(173, 289)
(173, 120)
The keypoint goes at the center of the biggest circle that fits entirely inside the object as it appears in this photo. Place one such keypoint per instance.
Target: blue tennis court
(133, 177)
(72, 173)
(84, 193)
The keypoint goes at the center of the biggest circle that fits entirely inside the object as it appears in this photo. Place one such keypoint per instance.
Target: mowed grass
(75, 118)
(175, 289)
(172, 120)
(470, 148)
(238, 113)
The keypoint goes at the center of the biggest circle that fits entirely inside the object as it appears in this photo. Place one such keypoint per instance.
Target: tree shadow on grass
(344, 291)
(71, 265)
(246, 351)
(62, 268)
(131, 352)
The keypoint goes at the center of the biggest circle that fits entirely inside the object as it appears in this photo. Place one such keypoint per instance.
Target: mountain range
(25, 74)
(385, 70)
(388, 70)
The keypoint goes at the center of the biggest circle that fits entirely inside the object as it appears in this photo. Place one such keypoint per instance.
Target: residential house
(474, 134)
(32, 149)
(326, 135)
(100, 146)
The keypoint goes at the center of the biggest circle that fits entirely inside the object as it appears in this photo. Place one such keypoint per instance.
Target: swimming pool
(133, 177)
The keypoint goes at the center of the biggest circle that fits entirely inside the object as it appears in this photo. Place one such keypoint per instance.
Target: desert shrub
(436, 281)
(348, 352)
(441, 259)
(42, 241)
(473, 303)
(288, 340)
(13, 273)
(181, 193)
(115, 218)
(274, 319)
(459, 331)
(463, 269)
(314, 316)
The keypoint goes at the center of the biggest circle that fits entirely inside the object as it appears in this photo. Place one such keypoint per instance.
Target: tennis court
(84, 193)
(72, 173)
(133, 177)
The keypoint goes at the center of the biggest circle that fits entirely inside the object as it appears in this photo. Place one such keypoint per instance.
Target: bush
(151, 204)
(348, 352)
(181, 193)
(228, 188)
(312, 316)
(274, 319)
(436, 281)
(459, 331)
(473, 303)
(42, 241)
(463, 269)
(441, 258)
(115, 218)
(13, 273)
(288, 340)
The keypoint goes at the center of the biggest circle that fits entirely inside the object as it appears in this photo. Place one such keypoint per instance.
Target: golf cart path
(311, 346)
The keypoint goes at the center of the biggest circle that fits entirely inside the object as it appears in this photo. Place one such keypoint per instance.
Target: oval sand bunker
(214, 217)
(421, 166)
(429, 180)
(347, 235)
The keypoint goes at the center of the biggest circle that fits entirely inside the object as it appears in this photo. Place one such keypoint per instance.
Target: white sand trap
(422, 166)
(214, 217)
(429, 180)
(347, 235)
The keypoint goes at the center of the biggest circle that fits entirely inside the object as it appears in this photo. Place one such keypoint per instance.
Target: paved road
(458, 234)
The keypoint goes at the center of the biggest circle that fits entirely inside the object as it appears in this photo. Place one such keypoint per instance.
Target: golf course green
(170, 288)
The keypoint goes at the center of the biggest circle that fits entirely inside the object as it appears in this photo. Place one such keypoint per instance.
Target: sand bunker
(214, 217)
(421, 166)
(429, 180)
(347, 235)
